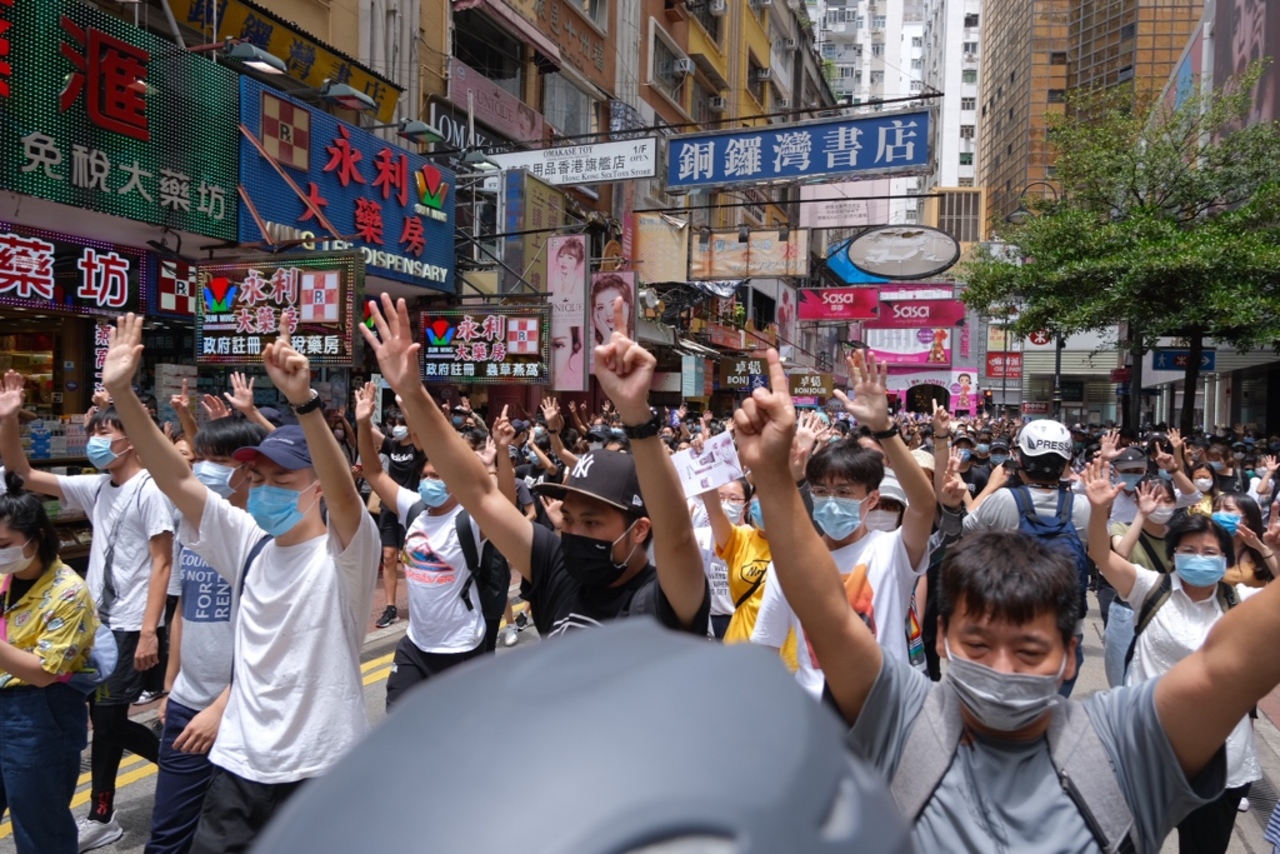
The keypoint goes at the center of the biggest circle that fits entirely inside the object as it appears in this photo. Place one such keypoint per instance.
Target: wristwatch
(885, 434)
(646, 430)
(310, 406)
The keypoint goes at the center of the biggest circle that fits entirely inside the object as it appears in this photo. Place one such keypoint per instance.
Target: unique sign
(899, 314)
(104, 116)
(764, 255)
(486, 346)
(923, 346)
(56, 272)
(903, 251)
(567, 296)
(880, 143)
(743, 373)
(306, 59)
(587, 164)
(393, 206)
(493, 105)
(839, 304)
(1006, 366)
(244, 305)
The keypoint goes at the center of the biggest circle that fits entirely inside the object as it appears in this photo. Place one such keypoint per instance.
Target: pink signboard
(911, 346)
(839, 304)
(493, 105)
(938, 313)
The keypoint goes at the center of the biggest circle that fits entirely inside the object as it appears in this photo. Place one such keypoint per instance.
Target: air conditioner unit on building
(683, 67)
(782, 103)
(791, 44)
(718, 8)
(762, 74)
(761, 4)
(717, 104)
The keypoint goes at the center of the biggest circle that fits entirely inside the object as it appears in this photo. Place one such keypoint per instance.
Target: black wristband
(646, 430)
(310, 406)
(885, 434)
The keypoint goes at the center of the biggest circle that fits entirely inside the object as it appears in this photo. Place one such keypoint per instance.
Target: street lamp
(413, 130)
(1022, 214)
(248, 55)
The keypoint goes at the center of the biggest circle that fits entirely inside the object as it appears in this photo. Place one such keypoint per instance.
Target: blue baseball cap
(286, 447)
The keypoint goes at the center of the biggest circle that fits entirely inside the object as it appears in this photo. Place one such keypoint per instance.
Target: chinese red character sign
(245, 305)
(46, 270)
(107, 117)
(486, 345)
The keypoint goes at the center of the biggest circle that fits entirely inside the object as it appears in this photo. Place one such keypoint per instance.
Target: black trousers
(1208, 829)
(411, 666)
(236, 811)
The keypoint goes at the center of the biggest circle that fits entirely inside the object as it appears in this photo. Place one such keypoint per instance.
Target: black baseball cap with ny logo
(608, 476)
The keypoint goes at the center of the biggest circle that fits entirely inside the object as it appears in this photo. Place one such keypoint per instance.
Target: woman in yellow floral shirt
(46, 632)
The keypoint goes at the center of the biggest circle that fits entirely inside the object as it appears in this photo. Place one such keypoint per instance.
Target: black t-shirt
(976, 478)
(560, 603)
(405, 466)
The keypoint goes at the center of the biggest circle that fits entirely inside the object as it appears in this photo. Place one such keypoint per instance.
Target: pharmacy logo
(432, 188)
(440, 333)
(218, 295)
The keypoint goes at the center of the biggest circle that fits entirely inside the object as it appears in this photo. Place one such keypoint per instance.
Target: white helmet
(1045, 437)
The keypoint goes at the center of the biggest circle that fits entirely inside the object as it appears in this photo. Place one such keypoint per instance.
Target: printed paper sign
(713, 468)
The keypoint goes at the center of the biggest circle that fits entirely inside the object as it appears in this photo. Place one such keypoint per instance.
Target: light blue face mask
(275, 508)
(837, 517)
(216, 477)
(983, 448)
(1229, 521)
(433, 492)
(965, 454)
(999, 459)
(1200, 570)
(1129, 479)
(98, 450)
(757, 518)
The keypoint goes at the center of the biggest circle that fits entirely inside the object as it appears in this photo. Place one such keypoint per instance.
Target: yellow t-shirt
(55, 621)
(748, 557)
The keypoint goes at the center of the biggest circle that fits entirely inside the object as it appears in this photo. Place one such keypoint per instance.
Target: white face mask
(1161, 515)
(13, 560)
(881, 520)
(733, 511)
(1203, 484)
(399, 432)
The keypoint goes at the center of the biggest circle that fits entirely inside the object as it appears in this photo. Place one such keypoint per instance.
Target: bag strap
(244, 574)
(928, 751)
(745, 596)
(108, 558)
(1147, 612)
(1022, 497)
(1153, 555)
(1066, 503)
(1088, 778)
(470, 553)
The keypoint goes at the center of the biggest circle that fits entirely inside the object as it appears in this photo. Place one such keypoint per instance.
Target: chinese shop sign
(486, 345)
(394, 207)
(305, 58)
(49, 271)
(744, 374)
(811, 385)
(587, 164)
(879, 144)
(247, 304)
(103, 116)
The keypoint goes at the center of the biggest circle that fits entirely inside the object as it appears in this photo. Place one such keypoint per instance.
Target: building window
(969, 104)
(877, 22)
(1128, 31)
(969, 75)
(877, 78)
(1058, 57)
(846, 72)
(971, 20)
(1126, 73)
(877, 48)
(754, 84)
(916, 86)
(569, 110)
(917, 63)
(917, 41)
(966, 158)
(859, 22)
(664, 74)
(911, 215)
(710, 23)
(490, 51)
(828, 51)
(967, 131)
(970, 48)
(700, 108)
(1057, 96)
(964, 182)
(596, 12)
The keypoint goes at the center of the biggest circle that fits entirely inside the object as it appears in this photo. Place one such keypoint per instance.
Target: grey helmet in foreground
(629, 738)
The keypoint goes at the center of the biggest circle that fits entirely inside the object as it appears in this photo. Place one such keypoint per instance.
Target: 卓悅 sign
(901, 314)
(491, 345)
(839, 304)
(393, 206)
(103, 116)
(587, 164)
(742, 373)
(306, 59)
(881, 143)
(811, 385)
(49, 271)
(244, 305)
(1004, 366)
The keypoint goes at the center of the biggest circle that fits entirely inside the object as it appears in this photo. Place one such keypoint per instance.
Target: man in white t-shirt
(879, 568)
(445, 629)
(130, 560)
(297, 699)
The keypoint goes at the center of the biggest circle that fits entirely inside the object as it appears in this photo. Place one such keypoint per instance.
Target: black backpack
(488, 571)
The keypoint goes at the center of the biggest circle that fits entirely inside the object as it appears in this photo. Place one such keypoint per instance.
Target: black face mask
(590, 561)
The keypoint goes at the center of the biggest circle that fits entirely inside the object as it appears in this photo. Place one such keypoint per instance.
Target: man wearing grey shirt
(1008, 608)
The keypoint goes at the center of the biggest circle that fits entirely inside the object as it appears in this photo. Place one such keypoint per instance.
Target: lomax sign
(912, 313)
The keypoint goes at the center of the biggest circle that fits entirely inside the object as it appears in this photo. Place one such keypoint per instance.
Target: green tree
(1168, 224)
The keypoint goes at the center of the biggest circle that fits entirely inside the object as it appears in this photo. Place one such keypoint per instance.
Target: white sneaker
(96, 834)
(510, 636)
(1243, 806)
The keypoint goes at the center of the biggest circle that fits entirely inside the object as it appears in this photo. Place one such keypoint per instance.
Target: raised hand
(766, 423)
(394, 344)
(941, 420)
(1149, 498)
(625, 371)
(489, 456)
(366, 402)
(1109, 446)
(182, 402)
(124, 353)
(289, 370)
(1098, 486)
(503, 431)
(214, 407)
(241, 394)
(954, 489)
(101, 399)
(551, 413)
(552, 506)
(1165, 460)
(1175, 439)
(807, 426)
(1271, 463)
(11, 395)
(1272, 536)
(870, 403)
(1249, 538)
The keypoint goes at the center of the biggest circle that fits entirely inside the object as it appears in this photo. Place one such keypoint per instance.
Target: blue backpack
(1057, 532)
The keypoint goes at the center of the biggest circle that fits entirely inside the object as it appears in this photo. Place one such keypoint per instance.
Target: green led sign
(101, 115)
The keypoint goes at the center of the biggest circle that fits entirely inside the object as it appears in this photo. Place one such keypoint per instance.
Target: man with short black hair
(404, 464)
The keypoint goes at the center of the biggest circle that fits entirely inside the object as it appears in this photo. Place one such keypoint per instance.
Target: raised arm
(241, 398)
(169, 470)
(388, 490)
(721, 527)
(625, 372)
(11, 453)
(555, 424)
(1118, 571)
(181, 404)
(466, 476)
(502, 436)
(1147, 498)
(802, 565)
(291, 373)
